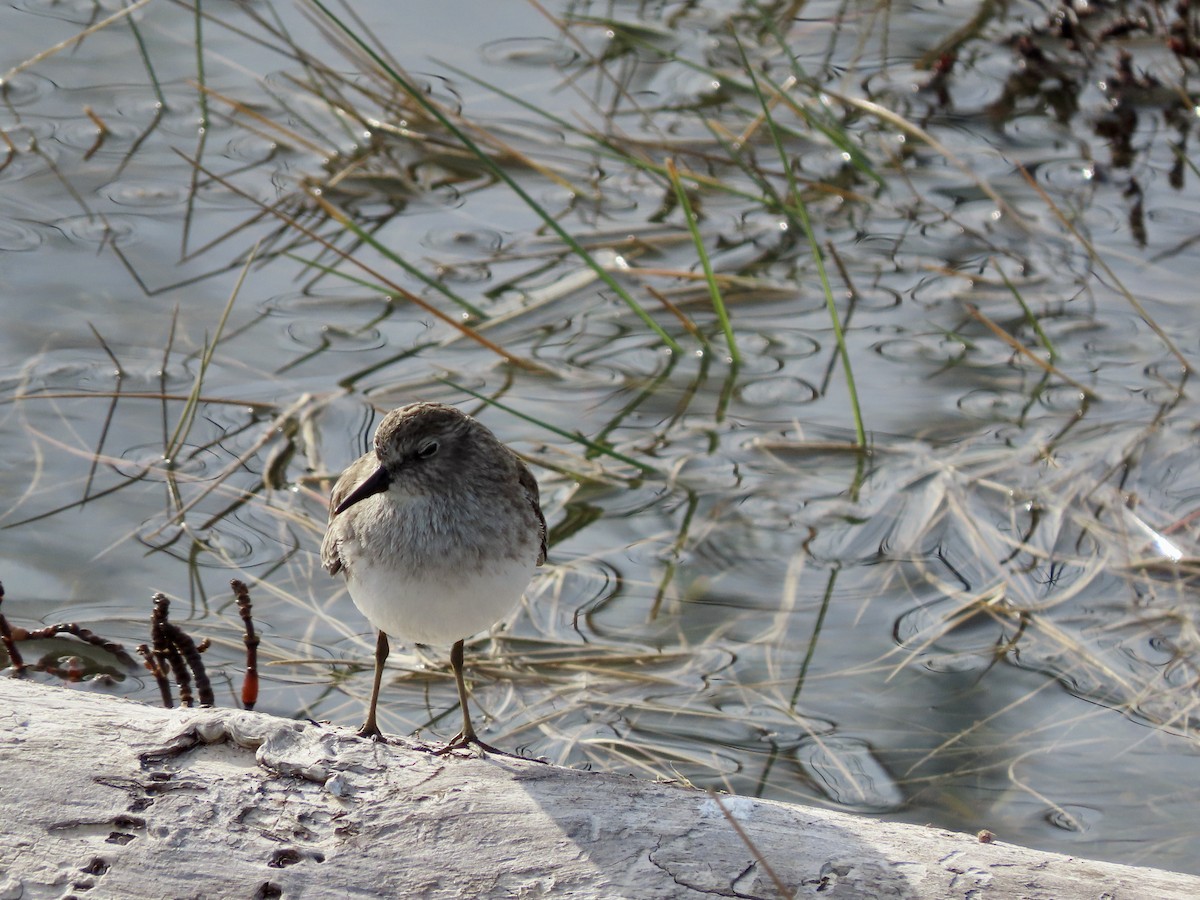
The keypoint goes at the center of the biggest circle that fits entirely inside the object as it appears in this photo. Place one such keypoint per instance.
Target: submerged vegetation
(854, 364)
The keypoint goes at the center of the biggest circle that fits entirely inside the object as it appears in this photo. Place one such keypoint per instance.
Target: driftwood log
(103, 798)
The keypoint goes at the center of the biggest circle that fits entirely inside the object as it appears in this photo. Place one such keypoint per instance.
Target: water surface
(985, 622)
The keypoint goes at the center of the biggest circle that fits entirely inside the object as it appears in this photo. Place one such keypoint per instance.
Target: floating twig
(9, 635)
(84, 634)
(102, 132)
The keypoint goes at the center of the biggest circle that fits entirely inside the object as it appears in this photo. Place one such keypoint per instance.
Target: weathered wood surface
(105, 798)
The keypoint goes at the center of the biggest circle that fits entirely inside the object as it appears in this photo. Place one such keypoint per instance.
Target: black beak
(377, 482)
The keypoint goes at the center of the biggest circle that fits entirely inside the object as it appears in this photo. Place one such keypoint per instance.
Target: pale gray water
(739, 618)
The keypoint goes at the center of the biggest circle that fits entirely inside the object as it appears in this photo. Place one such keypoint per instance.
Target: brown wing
(330, 557)
(531, 492)
(358, 470)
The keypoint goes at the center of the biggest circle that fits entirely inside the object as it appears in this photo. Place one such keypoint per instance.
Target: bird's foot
(370, 731)
(462, 742)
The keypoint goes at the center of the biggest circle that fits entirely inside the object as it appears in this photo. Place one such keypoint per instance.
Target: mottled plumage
(437, 531)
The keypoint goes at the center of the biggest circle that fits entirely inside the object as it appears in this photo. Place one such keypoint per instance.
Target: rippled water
(986, 623)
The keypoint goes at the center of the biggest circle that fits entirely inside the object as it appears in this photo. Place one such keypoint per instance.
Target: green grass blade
(714, 289)
(799, 210)
(191, 407)
(605, 146)
(1029, 316)
(571, 436)
(370, 240)
(498, 171)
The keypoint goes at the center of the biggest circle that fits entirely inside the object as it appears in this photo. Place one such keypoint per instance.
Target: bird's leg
(467, 736)
(369, 728)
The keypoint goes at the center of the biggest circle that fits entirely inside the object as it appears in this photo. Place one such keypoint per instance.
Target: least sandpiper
(437, 531)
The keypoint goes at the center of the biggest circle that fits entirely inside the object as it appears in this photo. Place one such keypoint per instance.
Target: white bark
(117, 799)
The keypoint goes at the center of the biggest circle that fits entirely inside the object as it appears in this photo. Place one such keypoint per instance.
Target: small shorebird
(437, 531)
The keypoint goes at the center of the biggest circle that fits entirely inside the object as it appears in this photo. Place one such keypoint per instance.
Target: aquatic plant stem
(422, 100)
(188, 416)
(714, 289)
(798, 210)
(561, 432)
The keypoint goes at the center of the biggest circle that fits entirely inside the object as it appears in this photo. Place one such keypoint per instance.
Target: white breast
(437, 611)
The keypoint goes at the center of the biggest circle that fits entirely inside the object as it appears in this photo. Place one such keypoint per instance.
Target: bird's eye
(427, 450)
